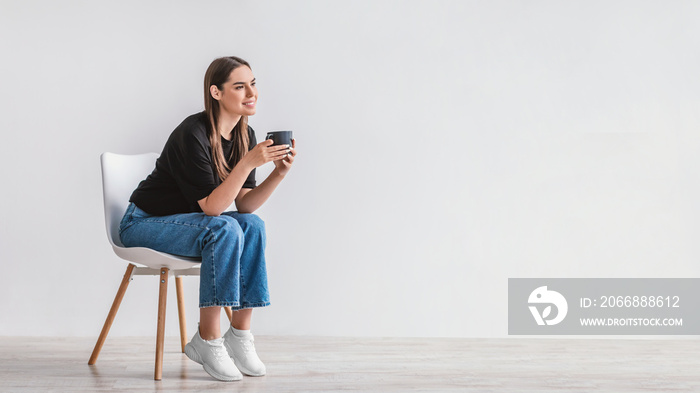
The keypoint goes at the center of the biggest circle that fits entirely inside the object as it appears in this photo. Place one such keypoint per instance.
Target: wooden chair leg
(112, 314)
(229, 313)
(160, 334)
(181, 312)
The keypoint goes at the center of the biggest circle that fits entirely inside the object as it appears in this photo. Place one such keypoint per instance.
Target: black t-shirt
(185, 171)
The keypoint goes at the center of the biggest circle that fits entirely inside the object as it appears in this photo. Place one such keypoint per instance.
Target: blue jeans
(232, 248)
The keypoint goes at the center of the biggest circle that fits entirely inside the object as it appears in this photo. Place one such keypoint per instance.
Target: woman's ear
(215, 92)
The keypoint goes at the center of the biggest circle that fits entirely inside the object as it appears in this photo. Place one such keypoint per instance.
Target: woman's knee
(251, 221)
(225, 226)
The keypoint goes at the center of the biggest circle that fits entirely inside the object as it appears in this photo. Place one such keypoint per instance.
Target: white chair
(120, 176)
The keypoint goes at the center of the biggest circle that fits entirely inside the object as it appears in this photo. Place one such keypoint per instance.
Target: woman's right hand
(263, 153)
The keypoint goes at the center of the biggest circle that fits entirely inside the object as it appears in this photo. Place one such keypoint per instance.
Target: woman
(207, 164)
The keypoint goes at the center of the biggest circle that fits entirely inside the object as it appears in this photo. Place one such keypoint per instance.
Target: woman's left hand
(282, 166)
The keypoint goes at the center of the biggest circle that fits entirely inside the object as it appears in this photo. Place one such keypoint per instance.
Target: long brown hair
(217, 74)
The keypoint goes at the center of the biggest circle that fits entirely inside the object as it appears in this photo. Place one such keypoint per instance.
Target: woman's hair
(217, 74)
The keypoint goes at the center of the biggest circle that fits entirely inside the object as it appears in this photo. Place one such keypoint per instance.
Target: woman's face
(238, 95)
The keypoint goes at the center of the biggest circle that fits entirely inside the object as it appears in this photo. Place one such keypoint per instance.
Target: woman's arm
(249, 200)
(224, 195)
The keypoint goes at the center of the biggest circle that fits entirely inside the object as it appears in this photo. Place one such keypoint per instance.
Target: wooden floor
(308, 364)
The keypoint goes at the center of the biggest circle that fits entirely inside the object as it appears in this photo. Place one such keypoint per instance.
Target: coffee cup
(280, 138)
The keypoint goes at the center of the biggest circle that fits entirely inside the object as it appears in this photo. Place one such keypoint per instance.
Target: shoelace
(247, 345)
(220, 352)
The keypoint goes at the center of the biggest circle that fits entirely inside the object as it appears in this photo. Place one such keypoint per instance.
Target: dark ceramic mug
(280, 138)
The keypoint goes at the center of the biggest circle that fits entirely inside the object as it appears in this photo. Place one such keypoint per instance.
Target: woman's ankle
(209, 323)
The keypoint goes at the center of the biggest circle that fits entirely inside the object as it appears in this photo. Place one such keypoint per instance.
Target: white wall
(444, 146)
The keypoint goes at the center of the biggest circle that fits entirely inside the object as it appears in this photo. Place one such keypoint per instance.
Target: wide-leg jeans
(232, 248)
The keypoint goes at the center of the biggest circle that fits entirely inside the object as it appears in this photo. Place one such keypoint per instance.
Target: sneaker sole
(192, 353)
(245, 370)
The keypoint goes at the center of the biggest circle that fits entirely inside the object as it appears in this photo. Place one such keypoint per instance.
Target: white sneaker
(242, 350)
(213, 356)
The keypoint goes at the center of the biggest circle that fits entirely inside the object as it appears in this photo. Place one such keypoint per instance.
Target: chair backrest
(120, 176)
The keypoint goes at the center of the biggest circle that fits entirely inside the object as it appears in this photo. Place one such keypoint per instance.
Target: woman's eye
(239, 87)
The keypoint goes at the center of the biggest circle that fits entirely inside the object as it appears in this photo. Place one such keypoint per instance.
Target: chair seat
(155, 259)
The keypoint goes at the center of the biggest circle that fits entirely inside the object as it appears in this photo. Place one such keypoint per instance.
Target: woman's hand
(282, 166)
(263, 153)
